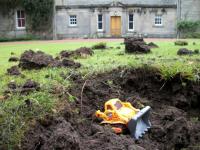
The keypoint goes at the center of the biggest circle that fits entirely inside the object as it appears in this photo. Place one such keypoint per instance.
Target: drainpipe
(179, 12)
(54, 21)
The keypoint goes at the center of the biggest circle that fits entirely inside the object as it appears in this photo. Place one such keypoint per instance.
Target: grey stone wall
(189, 10)
(8, 25)
(87, 22)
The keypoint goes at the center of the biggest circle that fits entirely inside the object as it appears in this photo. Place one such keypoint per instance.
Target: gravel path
(81, 40)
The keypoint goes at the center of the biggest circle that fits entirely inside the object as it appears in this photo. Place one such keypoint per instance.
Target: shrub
(39, 13)
(189, 29)
(101, 45)
(195, 35)
(22, 38)
(181, 43)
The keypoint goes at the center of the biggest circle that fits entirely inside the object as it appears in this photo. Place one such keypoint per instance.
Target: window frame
(130, 22)
(16, 18)
(74, 24)
(156, 21)
(100, 30)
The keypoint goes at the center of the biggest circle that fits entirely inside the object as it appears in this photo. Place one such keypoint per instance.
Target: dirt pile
(38, 60)
(152, 45)
(181, 43)
(13, 59)
(70, 63)
(84, 51)
(57, 134)
(136, 45)
(26, 88)
(185, 51)
(80, 52)
(35, 60)
(14, 70)
(100, 46)
(172, 126)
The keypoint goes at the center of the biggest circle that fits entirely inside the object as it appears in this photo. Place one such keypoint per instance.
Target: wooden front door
(115, 26)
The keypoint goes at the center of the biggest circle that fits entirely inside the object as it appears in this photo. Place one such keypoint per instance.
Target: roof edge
(108, 5)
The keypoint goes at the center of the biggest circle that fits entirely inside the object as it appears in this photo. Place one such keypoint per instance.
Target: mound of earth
(13, 59)
(136, 45)
(14, 70)
(77, 128)
(152, 45)
(70, 63)
(84, 51)
(80, 52)
(185, 51)
(100, 46)
(181, 43)
(26, 88)
(37, 60)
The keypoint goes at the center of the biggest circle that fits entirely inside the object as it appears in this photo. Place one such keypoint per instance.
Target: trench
(175, 114)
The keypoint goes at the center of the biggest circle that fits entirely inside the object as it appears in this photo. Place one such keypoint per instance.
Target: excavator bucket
(140, 123)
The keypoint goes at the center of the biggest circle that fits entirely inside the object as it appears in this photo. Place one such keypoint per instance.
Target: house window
(72, 20)
(100, 22)
(20, 19)
(130, 22)
(158, 20)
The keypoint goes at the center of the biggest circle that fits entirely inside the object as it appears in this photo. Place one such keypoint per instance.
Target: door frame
(116, 35)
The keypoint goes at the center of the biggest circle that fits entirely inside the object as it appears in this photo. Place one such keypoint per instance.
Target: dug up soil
(174, 116)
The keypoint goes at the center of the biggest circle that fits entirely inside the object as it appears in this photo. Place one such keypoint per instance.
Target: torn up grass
(16, 115)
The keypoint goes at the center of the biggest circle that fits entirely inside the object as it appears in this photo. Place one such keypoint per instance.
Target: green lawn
(15, 116)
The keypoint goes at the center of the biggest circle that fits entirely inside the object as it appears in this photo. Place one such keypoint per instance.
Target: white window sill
(20, 28)
(73, 26)
(158, 25)
(100, 30)
(131, 30)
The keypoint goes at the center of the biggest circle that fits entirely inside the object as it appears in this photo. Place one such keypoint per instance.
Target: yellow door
(115, 26)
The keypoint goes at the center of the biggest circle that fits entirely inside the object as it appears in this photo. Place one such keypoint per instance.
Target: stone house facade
(108, 18)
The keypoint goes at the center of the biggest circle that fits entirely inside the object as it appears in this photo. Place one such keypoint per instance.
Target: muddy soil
(184, 51)
(13, 59)
(152, 45)
(38, 60)
(14, 71)
(174, 116)
(80, 52)
(136, 45)
(28, 87)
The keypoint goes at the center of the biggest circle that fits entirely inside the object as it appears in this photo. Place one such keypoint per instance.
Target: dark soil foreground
(175, 114)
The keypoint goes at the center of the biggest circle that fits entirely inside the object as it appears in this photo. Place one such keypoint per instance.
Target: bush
(23, 38)
(101, 45)
(39, 13)
(181, 43)
(195, 35)
(189, 29)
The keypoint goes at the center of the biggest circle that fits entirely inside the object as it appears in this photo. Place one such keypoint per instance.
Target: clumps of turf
(181, 43)
(14, 71)
(185, 51)
(24, 89)
(152, 45)
(70, 63)
(136, 45)
(37, 60)
(13, 59)
(80, 52)
(100, 45)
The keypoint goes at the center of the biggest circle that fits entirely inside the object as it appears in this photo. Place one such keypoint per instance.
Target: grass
(15, 115)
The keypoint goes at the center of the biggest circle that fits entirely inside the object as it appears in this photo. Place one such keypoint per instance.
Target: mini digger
(118, 114)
